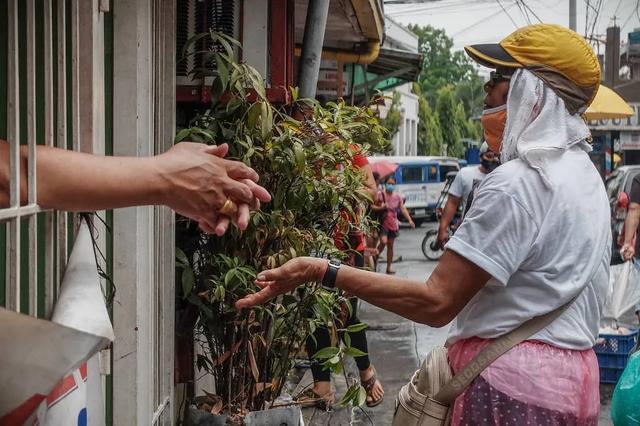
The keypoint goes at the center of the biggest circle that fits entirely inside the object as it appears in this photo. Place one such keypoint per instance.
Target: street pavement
(396, 346)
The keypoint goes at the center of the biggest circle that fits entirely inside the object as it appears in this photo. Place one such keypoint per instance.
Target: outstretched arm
(449, 288)
(191, 178)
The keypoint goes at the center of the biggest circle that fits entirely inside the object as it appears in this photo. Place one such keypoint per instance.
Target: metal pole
(572, 14)
(310, 56)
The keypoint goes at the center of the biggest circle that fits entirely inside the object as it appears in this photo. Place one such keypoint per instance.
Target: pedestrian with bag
(527, 272)
(392, 204)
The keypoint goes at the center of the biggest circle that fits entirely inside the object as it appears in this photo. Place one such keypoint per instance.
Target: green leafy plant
(302, 163)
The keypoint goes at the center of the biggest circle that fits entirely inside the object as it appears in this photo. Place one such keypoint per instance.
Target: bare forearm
(449, 211)
(409, 299)
(631, 223)
(75, 181)
(406, 214)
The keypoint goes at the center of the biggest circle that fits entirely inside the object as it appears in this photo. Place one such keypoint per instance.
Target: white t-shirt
(463, 183)
(542, 247)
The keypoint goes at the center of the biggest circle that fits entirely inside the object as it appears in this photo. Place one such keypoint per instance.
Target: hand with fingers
(284, 279)
(204, 186)
(628, 251)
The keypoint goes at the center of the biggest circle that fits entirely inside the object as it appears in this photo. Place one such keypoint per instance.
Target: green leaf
(351, 351)
(361, 397)
(231, 273)
(181, 257)
(220, 293)
(357, 327)
(328, 352)
(223, 72)
(188, 281)
(182, 134)
(347, 339)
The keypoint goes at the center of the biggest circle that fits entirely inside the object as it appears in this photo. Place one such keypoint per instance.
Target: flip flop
(368, 387)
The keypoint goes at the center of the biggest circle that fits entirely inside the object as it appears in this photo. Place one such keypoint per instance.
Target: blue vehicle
(420, 180)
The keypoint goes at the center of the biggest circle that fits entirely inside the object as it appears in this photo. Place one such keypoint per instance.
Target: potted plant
(250, 353)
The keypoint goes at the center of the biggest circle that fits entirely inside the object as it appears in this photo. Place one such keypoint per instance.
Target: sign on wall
(631, 123)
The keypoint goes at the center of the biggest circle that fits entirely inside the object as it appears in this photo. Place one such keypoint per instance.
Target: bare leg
(390, 255)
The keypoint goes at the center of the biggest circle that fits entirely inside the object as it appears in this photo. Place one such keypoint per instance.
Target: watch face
(335, 262)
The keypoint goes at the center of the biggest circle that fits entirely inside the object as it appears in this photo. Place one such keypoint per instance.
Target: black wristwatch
(329, 279)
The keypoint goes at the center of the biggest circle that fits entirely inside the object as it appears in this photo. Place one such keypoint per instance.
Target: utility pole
(312, 41)
(572, 14)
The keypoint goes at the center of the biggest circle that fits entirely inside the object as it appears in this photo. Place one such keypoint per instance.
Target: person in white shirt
(536, 238)
(462, 187)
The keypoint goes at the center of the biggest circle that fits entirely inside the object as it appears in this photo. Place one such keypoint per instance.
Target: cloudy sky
(484, 21)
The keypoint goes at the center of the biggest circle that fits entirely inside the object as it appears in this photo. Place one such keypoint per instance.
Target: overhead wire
(480, 21)
(630, 15)
(531, 10)
(595, 19)
(507, 13)
(524, 13)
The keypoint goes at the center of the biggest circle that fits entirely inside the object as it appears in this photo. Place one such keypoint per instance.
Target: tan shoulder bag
(426, 400)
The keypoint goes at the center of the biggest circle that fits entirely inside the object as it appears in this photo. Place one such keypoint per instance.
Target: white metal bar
(14, 212)
(31, 100)
(31, 153)
(13, 137)
(49, 140)
(75, 75)
(61, 137)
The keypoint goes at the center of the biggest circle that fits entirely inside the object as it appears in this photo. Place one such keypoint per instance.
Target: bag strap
(454, 388)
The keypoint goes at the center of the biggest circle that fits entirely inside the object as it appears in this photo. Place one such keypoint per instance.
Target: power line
(507, 13)
(524, 13)
(595, 20)
(480, 21)
(531, 10)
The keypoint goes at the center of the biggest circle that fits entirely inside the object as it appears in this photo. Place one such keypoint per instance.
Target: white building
(405, 142)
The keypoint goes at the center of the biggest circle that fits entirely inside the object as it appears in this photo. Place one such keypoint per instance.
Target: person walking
(536, 238)
(393, 204)
(629, 237)
(460, 192)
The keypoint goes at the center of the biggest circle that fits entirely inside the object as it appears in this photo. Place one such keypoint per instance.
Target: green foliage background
(451, 95)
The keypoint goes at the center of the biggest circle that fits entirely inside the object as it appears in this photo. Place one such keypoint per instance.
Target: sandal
(309, 398)
(368, 387)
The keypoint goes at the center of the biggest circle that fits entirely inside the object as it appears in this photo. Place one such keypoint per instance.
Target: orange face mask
(493, 123)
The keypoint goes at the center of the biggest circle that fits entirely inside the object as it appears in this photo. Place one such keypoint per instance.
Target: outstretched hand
(284, 279)
(201, 181)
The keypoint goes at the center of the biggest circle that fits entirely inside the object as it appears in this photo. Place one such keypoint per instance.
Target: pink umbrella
(383, 168)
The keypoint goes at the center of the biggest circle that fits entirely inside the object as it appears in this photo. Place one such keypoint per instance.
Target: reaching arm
(449, 288)
(630, 228)
(406, 215)
(445, 220)
(191, 178)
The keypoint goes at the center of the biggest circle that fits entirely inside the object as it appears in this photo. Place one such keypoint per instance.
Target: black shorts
(389, 233)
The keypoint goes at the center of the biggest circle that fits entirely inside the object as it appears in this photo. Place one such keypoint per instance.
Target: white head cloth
(539, 127)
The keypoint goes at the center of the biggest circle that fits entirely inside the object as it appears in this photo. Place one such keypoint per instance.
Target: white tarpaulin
(624, 295)
(35, 354)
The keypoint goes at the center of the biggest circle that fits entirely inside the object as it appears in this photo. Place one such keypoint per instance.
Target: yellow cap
(557, 55)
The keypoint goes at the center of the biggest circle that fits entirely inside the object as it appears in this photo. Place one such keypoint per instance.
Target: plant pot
(285, 416)
(197, 417)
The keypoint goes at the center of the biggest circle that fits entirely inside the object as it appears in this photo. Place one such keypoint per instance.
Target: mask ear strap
(495, 109)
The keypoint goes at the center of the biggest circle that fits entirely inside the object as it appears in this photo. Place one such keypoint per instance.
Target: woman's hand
(284, 279)
(628, 251)
(412, 224)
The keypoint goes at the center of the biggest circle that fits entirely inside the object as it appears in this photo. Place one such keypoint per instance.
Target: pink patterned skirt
(532, 384)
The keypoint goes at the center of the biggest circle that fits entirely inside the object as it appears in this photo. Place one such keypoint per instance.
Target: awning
(392, 68)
